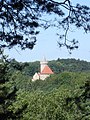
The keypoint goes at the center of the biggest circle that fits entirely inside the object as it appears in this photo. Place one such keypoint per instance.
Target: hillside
(58, 66)
(62, 96)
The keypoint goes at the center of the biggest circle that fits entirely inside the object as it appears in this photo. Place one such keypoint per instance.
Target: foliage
(20, 21)
(58, 66)
(7, 92)
(41, 106)
(27, 68)
(31, 68)
(20, 80)
(67, 99)
(71, 65)
(79, 103)
(64, 95)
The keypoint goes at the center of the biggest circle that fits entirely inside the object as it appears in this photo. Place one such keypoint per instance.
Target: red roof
(47, 70)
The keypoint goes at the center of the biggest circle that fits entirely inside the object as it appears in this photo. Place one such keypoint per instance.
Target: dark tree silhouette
(21, 20)
(8, 92)
(5, 97)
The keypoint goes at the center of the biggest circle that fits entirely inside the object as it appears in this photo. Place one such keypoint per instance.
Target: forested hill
(58, 66)
(64, 96)
(71, 65)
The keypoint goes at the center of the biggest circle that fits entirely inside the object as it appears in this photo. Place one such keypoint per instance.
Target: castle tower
(45, 71)
(43, 64)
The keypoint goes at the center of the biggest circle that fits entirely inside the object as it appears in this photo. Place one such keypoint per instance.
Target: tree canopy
(21, 20)
(20, 23)
(64, 96)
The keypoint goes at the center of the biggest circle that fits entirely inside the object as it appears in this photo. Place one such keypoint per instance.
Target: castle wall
(44, 76)
(36, 77)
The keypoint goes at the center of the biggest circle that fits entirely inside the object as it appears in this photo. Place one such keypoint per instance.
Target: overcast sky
(47, 45)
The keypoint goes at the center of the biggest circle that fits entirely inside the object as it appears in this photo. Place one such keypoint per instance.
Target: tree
(7, 93)
(79, 103)
(21, 20)
(4, 95)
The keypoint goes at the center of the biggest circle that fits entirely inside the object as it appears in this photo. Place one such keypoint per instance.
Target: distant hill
(58, 66)
(71, 65)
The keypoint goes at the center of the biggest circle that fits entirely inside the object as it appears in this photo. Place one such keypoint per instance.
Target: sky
(47, 46)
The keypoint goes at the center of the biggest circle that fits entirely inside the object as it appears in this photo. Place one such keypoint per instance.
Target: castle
(45, 71)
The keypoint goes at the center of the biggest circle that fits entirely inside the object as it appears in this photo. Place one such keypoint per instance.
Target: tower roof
(47, 70)
(44, 61)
